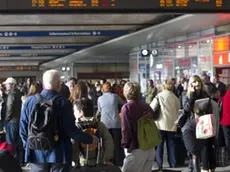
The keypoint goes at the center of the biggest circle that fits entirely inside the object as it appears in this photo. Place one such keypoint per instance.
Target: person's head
(10, 84)
(103, 81)
(131, 91)
(34, 89)
(195, 84)
(64, 91)
(106, 87)
(71, 84)
(83, 108)
(52, 80)
(80, 91)
(205, 78)
(174, 80)
(29, 81)
(168, 85)
(215, 79)
(150, 83)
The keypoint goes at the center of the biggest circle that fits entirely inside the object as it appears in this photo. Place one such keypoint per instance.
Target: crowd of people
(114, 109)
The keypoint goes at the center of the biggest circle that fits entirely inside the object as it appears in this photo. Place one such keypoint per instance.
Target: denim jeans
(168, 137)
(12, 138)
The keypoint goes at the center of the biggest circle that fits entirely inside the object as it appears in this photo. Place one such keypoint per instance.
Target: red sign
(184, 62)
(221, 44)
(221, 59)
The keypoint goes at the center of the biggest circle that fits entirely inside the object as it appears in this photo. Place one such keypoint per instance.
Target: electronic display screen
(117, 5)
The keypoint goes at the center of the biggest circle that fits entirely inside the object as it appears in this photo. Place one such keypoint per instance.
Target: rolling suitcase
(98, 167)
(8, 163)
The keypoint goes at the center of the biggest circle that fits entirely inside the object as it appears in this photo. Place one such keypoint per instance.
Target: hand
(95, 140)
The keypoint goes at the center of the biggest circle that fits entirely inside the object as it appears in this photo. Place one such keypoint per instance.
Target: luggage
(8, 163)
(3, 144)
(98, 167)
(42, 128)
(222, 157)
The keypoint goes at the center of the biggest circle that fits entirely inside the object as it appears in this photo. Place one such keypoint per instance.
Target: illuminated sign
(221, 44)
(19, 68)
(116, 5)
(62, 33)
(221, 59)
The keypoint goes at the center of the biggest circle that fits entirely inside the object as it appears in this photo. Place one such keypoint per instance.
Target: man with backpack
(46, 127)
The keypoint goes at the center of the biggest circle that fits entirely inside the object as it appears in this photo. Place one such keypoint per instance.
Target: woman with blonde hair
(194, 146)
(168, 105)
(80, 91)
(136, 160)
(35, 88)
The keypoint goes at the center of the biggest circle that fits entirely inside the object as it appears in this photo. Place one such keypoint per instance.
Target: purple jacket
(131, 112)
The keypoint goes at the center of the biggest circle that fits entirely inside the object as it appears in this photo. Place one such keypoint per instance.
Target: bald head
(52, 80)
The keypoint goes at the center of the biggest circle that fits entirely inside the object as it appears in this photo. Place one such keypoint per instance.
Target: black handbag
(182, 118)
(157, 111)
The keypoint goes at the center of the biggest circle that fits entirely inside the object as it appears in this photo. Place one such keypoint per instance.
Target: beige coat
(169, 107)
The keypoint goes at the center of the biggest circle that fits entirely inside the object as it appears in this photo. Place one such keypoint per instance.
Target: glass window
(192, 49)
(180, 51)
(205, 56)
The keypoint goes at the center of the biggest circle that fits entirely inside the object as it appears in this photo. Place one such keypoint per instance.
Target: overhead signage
(113, 33)
(30, 55)
(142, 68)
(221, 44)
(19, 68)
(184, 62)
(221, 59)
(117, 5)
(42, 47)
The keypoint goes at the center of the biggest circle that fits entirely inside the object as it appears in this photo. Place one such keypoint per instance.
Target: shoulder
(63, 102)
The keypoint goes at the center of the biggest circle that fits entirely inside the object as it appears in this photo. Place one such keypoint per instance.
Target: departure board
(121, 5)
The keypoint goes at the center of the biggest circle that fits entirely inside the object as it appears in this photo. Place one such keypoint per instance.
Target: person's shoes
(211, 170)
(190, 166)
(196, 165)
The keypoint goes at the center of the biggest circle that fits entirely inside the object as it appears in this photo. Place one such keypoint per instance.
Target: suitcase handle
(99, 146)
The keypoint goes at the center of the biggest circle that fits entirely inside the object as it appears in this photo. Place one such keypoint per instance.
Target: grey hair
(51, 79)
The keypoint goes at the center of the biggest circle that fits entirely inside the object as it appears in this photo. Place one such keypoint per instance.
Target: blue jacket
(108, 106)
(63, 151)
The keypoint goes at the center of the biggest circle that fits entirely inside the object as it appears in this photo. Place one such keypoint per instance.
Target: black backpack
(42, 129)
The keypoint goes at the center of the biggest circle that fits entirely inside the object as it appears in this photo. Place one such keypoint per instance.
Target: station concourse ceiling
(32, 40)
(119, 48)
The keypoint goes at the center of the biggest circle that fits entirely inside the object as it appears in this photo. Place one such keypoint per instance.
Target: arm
(120, 101)
(108, 143)
(24, 120)
(70, 128)
(155, 104)
(9, 107)
(126, 128)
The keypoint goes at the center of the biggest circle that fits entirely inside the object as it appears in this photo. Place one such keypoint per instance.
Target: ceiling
(119, 48)
(36, 39)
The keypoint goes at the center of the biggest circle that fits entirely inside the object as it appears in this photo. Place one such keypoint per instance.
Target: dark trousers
(181, 152)
(48, 167)
(168, 137)
(208, 154)
(12, 138)
(119, 154)
(226, 131)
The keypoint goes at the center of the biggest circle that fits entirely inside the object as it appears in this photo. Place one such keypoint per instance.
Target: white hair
(51, 79)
